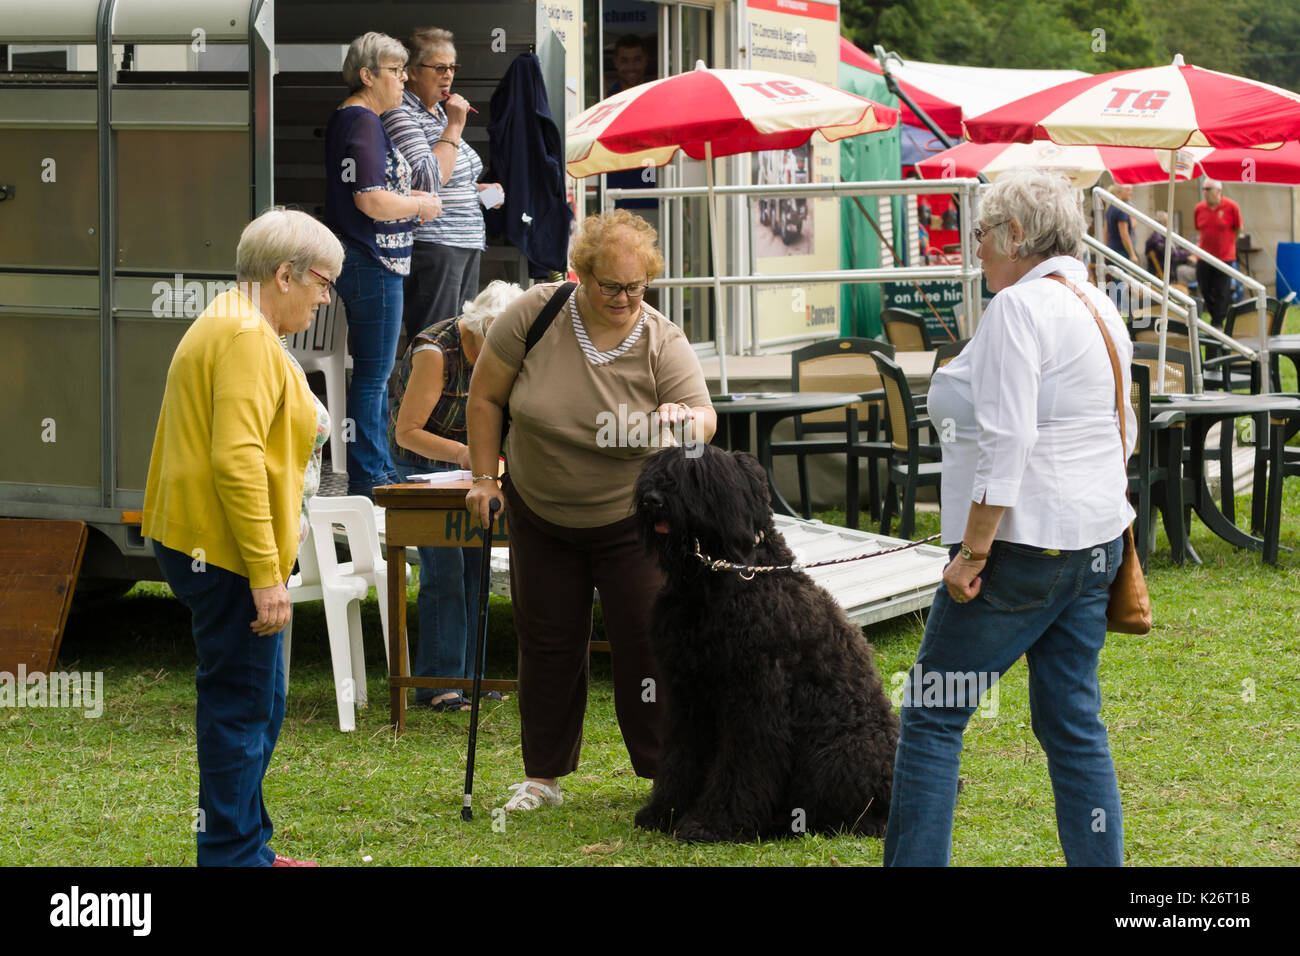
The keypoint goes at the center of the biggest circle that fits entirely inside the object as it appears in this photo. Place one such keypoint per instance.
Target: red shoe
(286, 861)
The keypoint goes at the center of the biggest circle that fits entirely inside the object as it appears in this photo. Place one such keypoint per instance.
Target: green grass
(1208, 773)
(1203, 717)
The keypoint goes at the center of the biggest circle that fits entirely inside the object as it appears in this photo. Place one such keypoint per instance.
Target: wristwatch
(970, 555)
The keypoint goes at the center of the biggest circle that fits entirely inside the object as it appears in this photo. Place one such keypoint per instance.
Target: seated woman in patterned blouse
(427, 433)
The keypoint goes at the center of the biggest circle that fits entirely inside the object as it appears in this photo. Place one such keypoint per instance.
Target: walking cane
(480, 651)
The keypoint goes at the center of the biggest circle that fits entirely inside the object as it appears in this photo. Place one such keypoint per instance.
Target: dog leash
(719, 564)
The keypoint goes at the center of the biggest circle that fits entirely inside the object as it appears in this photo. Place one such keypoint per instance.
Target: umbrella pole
(719, 321)
(1164, 298)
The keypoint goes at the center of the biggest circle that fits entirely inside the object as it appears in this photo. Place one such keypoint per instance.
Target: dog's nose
(652, 499)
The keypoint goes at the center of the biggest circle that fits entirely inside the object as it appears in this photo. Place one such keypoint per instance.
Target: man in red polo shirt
(1218, 220)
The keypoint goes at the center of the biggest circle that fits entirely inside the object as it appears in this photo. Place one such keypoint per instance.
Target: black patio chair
(839, 365)
(905, 330)
(945, 352)
(1154, 470)
(1239, 372)
(1178, 377)
(912, 465)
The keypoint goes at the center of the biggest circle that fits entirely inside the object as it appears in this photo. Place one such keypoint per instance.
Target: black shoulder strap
(547, 315)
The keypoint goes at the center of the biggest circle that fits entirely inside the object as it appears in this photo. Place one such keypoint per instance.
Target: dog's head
(718, 498)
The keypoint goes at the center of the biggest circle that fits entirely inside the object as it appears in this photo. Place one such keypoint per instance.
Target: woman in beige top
(588, 402)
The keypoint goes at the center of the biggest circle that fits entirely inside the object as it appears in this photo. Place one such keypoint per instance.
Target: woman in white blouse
(1034, 509)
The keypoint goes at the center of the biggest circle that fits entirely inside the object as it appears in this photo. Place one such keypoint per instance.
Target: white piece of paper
(492, 196)
(442, 477)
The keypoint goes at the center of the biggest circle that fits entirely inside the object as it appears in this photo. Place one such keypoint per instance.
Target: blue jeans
(448, 604)
(240, 707)
(373, 297)
(1052, 609)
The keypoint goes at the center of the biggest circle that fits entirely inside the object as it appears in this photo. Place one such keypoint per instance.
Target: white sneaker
(530, 795)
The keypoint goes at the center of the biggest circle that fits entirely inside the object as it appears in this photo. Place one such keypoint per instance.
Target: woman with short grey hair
(370, 205)
(236, 457)
(427, 433)
(370, 51)
(1034, 507)
(286, 235)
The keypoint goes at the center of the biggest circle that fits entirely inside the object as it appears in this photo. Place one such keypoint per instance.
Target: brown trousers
(552, 573)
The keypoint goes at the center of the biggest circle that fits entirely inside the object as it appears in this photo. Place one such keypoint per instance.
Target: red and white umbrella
(707, 113)
(1082, 164)
(718, 112)
(1279, 167)
(1164, 107)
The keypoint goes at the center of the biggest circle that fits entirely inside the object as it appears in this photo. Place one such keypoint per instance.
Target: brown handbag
(1129, 610)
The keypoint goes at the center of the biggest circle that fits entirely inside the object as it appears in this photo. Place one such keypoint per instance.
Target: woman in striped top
(370, 205)
(428, 128)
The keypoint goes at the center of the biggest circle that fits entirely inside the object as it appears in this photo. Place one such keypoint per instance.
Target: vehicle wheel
(94, 594)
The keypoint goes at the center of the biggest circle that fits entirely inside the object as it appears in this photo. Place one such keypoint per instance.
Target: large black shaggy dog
(776, 720)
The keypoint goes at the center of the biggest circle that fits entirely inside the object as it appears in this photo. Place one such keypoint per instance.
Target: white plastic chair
(323, 347)
(342, 596)
(342, 586)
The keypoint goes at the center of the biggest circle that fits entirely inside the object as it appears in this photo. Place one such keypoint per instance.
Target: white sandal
(530, 795)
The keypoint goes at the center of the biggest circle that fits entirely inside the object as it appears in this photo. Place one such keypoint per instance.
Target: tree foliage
(1254, 38)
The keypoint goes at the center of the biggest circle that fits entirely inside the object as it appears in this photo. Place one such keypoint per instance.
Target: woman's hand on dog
(670, 413)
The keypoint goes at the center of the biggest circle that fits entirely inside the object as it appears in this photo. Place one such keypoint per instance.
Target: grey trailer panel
(50, 418)
(51, 221)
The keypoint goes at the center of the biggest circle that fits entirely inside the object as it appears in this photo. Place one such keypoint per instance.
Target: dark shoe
(453, 704)
(491, 695)
(286, 861)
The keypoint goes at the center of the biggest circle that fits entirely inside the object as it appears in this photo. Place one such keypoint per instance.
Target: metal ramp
(869, 591)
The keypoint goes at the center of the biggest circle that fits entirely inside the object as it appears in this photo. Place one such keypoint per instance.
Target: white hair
(286, 235)
(479, 313)
(368, 51)
(1044, 205)
(1211, 184)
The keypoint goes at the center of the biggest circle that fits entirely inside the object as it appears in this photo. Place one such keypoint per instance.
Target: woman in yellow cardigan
(235, 458)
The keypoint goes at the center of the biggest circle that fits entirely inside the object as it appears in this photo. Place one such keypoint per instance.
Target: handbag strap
(547, 316)
(1114, 359)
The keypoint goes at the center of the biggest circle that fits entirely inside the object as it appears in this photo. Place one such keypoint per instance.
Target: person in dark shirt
(1181, 261)
(1119, 225)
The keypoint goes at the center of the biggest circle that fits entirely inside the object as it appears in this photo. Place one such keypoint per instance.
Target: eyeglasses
(634, 290)
(397, 71)
(442, 69)
(982, 231)
(329, 283)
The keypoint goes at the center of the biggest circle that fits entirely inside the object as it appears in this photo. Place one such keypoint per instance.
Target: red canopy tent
(947, 116)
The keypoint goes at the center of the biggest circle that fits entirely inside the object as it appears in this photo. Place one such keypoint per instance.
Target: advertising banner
(565, 19)
(799, 38)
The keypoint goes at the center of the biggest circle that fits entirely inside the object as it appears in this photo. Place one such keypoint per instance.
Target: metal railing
(968, 273)
(1100, 197)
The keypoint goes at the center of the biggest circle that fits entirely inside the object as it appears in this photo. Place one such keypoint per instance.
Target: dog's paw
(654, 817)
(693, 831)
